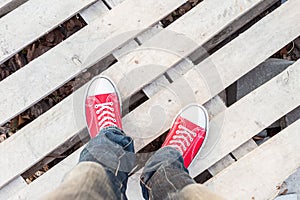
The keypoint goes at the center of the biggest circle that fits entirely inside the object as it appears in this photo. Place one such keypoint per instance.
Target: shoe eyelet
(114, 120)
(180, 126)
(189, 144)
(111, 103)
(96, 106)
(194, 134)
(97, 112)
(191, 139)
(112, 109)
(176, 132)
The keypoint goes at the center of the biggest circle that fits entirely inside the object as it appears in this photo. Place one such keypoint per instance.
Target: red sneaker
(188, 132)
(102, 105)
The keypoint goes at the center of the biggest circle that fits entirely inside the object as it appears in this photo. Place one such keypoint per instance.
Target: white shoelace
(106, 117)
(186, 135)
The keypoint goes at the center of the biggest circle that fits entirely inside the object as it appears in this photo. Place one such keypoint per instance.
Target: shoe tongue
(103, 98)
(189, 125)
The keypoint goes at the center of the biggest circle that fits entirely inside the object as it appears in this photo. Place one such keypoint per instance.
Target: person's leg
(103, 168)
(165, 174)
(106, 161)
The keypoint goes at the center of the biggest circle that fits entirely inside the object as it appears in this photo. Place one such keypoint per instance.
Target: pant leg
(114, 152)
(164, 175)
(87, 181)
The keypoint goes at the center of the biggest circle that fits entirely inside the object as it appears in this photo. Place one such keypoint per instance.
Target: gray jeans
(104, 165)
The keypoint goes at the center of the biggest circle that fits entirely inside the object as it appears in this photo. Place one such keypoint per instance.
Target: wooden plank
(12, 188)
(49, 180)
(219, 70)
(64, 114)
(244, 149)
(44, 17)
(49, 78)
(188, 38)
(283, 38)
(94, 12)
(259, 174)
(220, 165)
(244, 119)
(8, 5)
(113, 3)
(257, 102)
(29, 141)
(214, 107)
(157, 85)
(80, 51)
(250, 115)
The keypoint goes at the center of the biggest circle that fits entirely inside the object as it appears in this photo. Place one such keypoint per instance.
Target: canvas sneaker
(189, 131)
(102, 105)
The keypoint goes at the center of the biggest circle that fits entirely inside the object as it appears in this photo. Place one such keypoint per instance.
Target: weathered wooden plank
(8, 5)
(220, 165)
(17, 31)
(214, 107)
(113, 3)
(94, 12)
(12, 188)
(219, 70)
(64, 114)
(166, 52)
(244, 149)
(49, 180)
(253, 113)
(269, 47)
(240, 122)
(48, 74)
(80, 51)
(259, 174)
(247, 124)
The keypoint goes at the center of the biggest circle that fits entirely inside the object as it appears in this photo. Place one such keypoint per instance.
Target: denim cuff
(164, 174)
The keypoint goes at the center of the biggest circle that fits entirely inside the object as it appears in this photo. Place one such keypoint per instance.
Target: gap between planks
(286, 36)
(259, 174)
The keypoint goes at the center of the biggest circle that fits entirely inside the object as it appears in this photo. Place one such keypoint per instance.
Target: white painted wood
(268, 49)
(94, 12)
(221, 69)
(8, 5)
(17, 29)
(250, 115)
(113, 3)
(239, 120)
(64, 120)
(287, 197)
(157, 85)
(49, 181)
(148, 34)
(124, 50)
(244, 149)
(180, 69)
(258, 175)
(12, 188)
(214, 107)
(80, 51)
(166, 52)
(220, 165)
